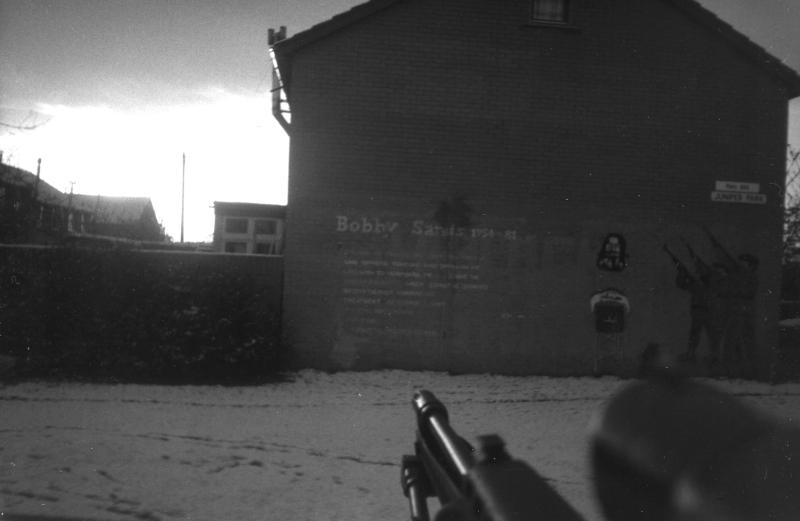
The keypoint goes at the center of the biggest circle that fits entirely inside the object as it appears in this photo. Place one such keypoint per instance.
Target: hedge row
(139, 316)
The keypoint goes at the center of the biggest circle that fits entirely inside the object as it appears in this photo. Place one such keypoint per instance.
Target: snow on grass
(319, 447)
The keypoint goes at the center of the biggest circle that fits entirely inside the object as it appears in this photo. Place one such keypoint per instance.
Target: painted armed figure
(700, 288)
(739, 293)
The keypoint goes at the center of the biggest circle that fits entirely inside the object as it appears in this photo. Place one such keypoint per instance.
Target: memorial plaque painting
(402, 280)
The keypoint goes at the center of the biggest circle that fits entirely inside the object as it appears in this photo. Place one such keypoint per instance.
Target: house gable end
(285, 49)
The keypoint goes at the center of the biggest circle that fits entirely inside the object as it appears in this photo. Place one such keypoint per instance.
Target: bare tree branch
(791, 216)
(23, 127)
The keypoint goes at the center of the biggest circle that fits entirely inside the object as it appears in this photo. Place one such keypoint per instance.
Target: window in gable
(550, 11)
(237, 225)
(266, 227)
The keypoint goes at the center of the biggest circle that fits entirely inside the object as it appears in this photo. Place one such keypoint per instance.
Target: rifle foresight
(426, 404)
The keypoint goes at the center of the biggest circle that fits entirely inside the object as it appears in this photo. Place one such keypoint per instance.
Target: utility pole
(183, 192)
(70, 224)
(38, 178)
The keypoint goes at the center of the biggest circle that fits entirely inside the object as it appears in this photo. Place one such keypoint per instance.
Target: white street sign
(737, 186)
(738, 197)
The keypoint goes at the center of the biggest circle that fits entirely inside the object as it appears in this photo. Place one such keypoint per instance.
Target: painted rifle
(730, 260)
(675, 260)
(685, 277)
(701, 266)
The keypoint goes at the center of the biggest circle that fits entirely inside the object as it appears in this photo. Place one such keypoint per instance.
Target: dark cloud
(78, 51)
(119, 51)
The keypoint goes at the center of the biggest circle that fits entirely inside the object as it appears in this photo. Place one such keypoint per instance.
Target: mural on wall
(613, 254)
(722, 300)
(609, 307)
(399, 276)
(701, 284)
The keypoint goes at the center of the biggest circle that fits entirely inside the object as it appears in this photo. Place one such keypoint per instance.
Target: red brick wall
(553, 138)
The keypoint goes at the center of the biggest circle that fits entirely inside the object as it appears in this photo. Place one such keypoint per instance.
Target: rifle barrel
(432, 418)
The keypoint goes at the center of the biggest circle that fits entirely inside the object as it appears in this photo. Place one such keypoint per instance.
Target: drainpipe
(278, 92)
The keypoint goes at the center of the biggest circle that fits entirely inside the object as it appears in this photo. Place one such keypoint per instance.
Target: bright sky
(123, 88)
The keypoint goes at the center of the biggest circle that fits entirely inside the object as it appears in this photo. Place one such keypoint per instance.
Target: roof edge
(283, 49)
(761, 56)
(330, 26)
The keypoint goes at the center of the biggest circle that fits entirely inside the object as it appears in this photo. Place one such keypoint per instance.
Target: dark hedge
(140, 316)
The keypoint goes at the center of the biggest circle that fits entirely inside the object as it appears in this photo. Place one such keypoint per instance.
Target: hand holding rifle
(666, 448)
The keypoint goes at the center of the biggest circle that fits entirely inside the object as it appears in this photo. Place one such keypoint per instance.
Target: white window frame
(552, 18)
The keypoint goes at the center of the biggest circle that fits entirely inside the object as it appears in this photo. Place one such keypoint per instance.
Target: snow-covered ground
(319, 447)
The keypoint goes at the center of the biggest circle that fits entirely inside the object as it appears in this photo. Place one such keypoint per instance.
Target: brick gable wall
(555, 137)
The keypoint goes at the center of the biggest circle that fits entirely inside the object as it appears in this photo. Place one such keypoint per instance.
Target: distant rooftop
(19, 177)
(249, 209)
(113, 210)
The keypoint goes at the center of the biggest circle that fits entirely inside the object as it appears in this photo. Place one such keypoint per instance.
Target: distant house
(249, 228)
(122, 217)
(33, 212)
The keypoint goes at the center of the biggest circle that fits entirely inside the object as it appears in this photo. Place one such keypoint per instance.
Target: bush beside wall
(138, 315)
